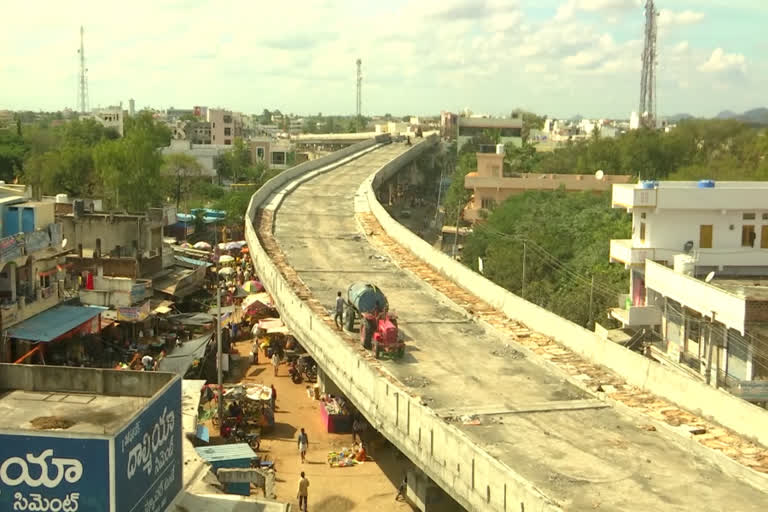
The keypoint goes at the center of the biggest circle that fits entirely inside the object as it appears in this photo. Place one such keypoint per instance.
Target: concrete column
(425, 495)
(12, 277)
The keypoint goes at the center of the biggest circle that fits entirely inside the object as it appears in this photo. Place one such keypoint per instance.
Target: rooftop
(491, 122)
(748, 288)
(746, 185)
(76, 400)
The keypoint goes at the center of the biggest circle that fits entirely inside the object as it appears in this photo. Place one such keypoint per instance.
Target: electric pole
(359, 93)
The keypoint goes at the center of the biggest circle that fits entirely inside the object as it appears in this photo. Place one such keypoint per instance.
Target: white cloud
(674, 18)
(570, 7)
(721, 62)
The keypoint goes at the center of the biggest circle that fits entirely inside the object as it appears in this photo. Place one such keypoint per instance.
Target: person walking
(338, 318)
(402, 491)
(303, 492)
(275, 361)
(303, 441)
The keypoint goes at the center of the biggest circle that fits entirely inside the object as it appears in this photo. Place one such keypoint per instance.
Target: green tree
(157, 134)
(183, 169)
(13, 150)
(130, 168)
(266, 117)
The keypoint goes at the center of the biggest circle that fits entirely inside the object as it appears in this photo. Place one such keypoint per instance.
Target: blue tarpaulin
(54, 322)
(192, 261)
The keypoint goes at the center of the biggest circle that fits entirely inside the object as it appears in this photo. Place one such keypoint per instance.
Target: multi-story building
(111, 117)
(274, 152)
(205, 154)
(510, 131)
(224, 127)
(196, 132)
(493, 182)
(32, 252)
(448, 125)
(698, 261)
(174, 114)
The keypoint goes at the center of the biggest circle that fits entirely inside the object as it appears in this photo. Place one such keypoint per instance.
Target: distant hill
(678, 117)
(755, 116)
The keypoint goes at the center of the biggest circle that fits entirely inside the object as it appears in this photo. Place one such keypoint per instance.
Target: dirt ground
(371, 486)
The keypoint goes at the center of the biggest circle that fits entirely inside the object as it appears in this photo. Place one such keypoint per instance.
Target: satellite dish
(599, 175)
(63, 243)
(709, 277)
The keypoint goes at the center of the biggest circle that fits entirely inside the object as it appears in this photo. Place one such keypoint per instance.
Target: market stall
(336, 415)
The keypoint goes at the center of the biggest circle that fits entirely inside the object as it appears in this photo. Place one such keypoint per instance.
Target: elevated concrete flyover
(492, 418)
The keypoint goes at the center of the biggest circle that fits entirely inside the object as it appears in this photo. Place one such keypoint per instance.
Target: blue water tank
(649, 184)
(706, 184)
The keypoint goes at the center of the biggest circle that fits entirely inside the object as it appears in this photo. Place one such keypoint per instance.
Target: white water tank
(62, 198)
(499, 149)
(684, 264)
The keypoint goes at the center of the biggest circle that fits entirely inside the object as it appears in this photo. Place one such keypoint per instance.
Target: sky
(553, 57)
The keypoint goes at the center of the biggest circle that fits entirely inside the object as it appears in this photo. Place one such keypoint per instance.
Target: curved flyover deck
(542, 442)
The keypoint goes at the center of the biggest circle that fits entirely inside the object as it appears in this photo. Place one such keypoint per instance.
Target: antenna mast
(359, 92)
(83, 75)
(647, 111)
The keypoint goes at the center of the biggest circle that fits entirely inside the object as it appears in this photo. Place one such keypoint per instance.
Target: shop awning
(181, 358)
(55, 322)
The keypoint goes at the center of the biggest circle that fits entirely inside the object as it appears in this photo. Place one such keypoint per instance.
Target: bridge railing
(717, 405)
(477, 480)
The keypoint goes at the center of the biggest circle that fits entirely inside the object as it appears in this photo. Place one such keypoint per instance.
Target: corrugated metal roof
(51, 324)
(225, 452)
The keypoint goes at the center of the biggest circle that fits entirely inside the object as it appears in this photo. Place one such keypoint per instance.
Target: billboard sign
(147, 456)
(53, 473)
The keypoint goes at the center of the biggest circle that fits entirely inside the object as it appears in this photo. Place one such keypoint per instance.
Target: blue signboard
(148, 458)
(53, 473)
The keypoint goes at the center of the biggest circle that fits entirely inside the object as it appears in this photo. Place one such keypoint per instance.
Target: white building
(698, 258)
(111, 117)
(634, 121)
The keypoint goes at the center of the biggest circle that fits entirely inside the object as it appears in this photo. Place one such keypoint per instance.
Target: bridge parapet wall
(475, 479)
(719, 406)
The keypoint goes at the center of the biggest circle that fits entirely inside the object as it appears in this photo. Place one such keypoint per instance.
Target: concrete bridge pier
(427, 496)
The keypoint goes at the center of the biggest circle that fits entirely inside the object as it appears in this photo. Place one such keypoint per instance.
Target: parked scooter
(253, 439)
(295, 374)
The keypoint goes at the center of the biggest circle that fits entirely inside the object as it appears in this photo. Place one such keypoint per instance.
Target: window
(642, 215)
(764, 237)
(747, 235)
(227, 142)
(642, 231)
(748, 216)
(278, 158)
(227, 119)
(227, 131)
(260, 153)
(705, 236)
(765, 216)
(214, 124)
(488, 204)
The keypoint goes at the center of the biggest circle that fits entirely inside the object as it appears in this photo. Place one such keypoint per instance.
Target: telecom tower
(83, 86)
(647, 110)
(359, 91)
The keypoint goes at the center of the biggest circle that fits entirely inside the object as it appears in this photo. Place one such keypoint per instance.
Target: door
(764, 237)
(705, 236)
(11, 221)
(28, 220)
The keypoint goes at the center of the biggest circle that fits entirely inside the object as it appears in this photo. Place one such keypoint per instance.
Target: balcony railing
(623, 252)
(635, 316)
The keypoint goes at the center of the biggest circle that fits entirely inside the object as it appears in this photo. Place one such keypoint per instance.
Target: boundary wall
(468, 473)
(716, 405)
